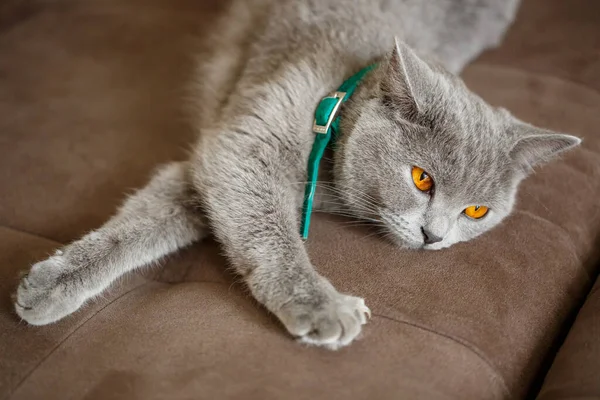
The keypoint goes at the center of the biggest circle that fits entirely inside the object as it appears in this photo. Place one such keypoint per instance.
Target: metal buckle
(323, 129)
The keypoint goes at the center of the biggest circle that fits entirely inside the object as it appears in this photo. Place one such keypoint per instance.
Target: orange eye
(476, 212)
(422, 180)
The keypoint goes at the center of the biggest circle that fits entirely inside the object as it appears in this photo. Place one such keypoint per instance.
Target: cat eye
(476, 212)
(422, 180)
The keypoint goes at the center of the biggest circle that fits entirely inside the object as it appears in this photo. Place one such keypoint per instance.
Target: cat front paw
(332, 323)
(47, 293)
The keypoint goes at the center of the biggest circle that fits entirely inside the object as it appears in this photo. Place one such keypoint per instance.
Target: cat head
(430, 159)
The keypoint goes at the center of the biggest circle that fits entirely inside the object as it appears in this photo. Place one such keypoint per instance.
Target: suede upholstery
(574, 373)
(91, 100)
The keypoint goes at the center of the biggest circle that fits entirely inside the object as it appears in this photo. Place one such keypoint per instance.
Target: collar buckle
(324, 129)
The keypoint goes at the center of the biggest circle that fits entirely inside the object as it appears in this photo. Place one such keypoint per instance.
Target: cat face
(429, 159)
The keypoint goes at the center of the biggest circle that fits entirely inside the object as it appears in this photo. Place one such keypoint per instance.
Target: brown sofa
(91, 100)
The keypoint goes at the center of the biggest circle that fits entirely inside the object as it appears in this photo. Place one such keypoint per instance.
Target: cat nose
(430, 238)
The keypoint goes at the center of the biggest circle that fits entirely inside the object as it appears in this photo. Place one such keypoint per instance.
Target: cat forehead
(467, 160)
(456, 136)
(461, 110)
(466, 126)
(472, 176)
(473, 160)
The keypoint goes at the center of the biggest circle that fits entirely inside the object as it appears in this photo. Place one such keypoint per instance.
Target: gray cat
(417, 153)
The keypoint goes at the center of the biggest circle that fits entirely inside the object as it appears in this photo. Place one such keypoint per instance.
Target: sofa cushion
(574, 373)
(91, 100)
(23, 348)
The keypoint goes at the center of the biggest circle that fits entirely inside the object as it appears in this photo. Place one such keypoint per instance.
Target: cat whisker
(350, 215)
(355, 207)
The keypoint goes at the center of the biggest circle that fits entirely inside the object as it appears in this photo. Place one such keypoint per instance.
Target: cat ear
(536, 146)
(407, 81)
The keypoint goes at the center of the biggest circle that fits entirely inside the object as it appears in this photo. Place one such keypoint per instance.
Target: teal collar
(327, 129)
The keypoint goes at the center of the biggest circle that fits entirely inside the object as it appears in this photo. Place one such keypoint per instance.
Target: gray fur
(254, 105)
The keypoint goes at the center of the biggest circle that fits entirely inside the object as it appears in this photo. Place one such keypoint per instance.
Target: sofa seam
(32, 234)
(496, 376)
(83, 323)
(543, 75)
(59, 344)
(593, 291)
(590, 275)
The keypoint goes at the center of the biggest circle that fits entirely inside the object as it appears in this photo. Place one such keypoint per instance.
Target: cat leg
(152, 223)
(254, 215)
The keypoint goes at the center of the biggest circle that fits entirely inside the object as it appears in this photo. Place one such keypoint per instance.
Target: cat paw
(46, 294)
(331, 324)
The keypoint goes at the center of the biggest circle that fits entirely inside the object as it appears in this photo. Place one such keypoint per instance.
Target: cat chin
(405, 243)
(437, 246)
